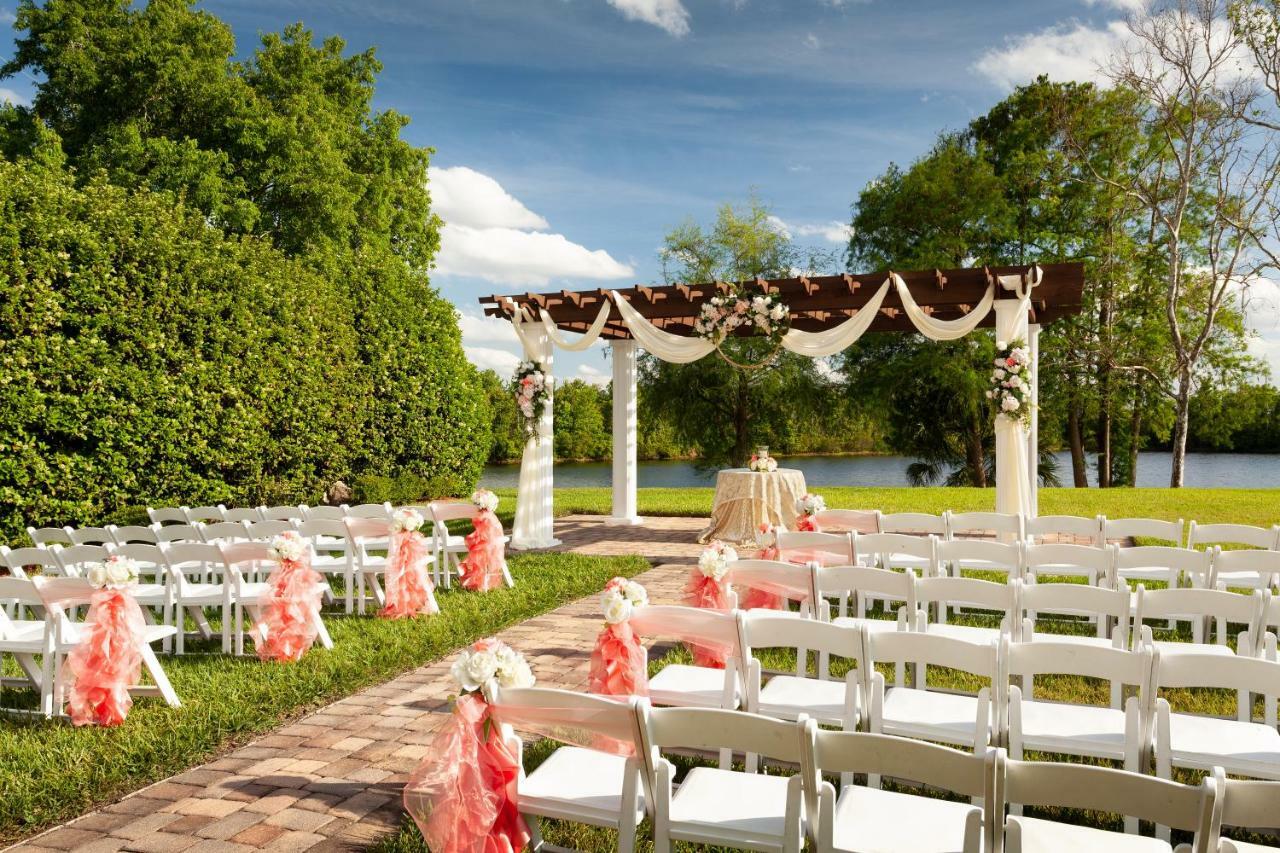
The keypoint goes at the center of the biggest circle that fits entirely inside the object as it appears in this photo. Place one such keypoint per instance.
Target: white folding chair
(973, 594)
(72, 560)
(1081, 530)
(1095, 565)
(864, 817)
(853, 588)
(1167, 564)
(50, 537)
(1200, 535)
(1246, 803)
(575, 783)
(190, 572)
(918, 523)
(685, 684)
(167, 515)
(1247, 569)
(155, 586)
(806, 546)
(786, 580)
(1261, 640)
(210, 514)
(129, 534)
(91, 536)
(241, 559)
(365, 535)
(25, 639)
(956, 556)
(18, 560)
(895, 532)
(265, 531)
(830, 701)
(169, 534)
(849, 520)
(1003, 525)
(283, 513)
(1120, 530)
(449, 548)
(332, 557)
(1106, 608)
(224, 531)
(1082, 786)
(1203, 608)
(720, 806)
(329, 513)
(973, 722)
(250, 514)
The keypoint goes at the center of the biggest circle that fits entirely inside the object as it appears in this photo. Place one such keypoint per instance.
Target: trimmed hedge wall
(145, 357)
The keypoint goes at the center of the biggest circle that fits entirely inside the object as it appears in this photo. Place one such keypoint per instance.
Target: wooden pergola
(817, 304)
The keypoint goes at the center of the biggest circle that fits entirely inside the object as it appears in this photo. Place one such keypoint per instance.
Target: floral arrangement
(533, 387)
(714, 561)
(621, 598)
(488, 660)
(288, 546)
(762, 463)
(485, 499)
(721, 315)
(407, 520)
(116, 573)
(810, 504)
(1010, 391)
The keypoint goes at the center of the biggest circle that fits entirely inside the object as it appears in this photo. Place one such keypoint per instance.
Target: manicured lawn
(50, 771)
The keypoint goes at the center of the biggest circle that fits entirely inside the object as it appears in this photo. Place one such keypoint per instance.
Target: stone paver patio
(332, 780)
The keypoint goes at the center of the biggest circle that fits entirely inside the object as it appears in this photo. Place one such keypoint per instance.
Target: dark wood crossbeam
(817, 303)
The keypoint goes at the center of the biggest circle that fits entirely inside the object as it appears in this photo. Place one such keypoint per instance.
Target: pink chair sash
(709, 641)
(808, 523)
(463, 794)
(618, 663)
(288, 620)
(107, 661)
(705, 593)
(482, 569)
(408, 587)
(590, 728)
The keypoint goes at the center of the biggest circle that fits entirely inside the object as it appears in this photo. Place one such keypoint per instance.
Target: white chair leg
(322, 630)
(159, 676)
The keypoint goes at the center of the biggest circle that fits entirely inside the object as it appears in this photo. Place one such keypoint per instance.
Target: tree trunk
(1104, 429)
(1078, 470)
(1135, 439)
(741, 417)
(973, 451)
(1182, 417)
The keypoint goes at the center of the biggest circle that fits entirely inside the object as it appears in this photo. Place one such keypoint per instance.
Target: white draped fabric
(840, 338)
(588, 337)
(943, 330)
(1013, 473)
(666, 346)
(534, 517)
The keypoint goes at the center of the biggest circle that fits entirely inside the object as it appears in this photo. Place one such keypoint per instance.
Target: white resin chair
(804, 546)
(283, 513)
(129, 534)
(1261, 641)
(1117, 530)
(209, 514)
(1103, 789)
(830, 701)
(1246, 569)
(1246, 803)
(792, 582)
(853, 588)
(1105, 608)
(918, 523)
(576, 783)
(364, 536)
(25, 638)
(449, 548)
(91, 535)
(1095, 565)
(686, 684)
(1167, 564)
(50, 537)
(225, 531)
(721, 806)
(1204, 608)
(850, 520)
(155, 586)
(897, 544)
(18, 560)
(1075, 526)
(167, 534)
(73, 560)
(195, 591)
(956, 556)
(936, 596)
(1006, 526)
(329, 513)
(330, 555)
(167, 515)
(863, 817)
(972, 722)
(1200, 535)
(265, 531)
(249, 514)
(241, 559)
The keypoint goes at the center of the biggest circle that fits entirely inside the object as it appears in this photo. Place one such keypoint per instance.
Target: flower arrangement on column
(751, 306)
(533, 389)
(1010, 391)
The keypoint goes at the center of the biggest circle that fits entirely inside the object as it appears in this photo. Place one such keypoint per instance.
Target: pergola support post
(625, 428)
(1033, 431)
(1012, 489)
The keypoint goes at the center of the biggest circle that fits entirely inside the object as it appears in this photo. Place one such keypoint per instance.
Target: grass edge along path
(51, 772)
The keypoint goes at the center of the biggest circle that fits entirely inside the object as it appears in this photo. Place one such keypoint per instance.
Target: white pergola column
(1013, 494)
(625, 426)
(1033, 432)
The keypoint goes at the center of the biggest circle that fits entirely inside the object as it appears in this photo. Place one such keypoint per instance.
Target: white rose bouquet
(407, 520)
(491, 660)
(288, 546)
(1010, 390)
(810, 504)
(116, 573)
(621, 598)
(485, 499)
(714, 561)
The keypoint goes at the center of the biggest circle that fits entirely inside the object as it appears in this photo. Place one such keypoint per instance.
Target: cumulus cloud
(500, 361)
(1126, 6)
(490, 234)
(476, 328)
(593, 375)
(812, 42)
(669, 15)
(832, 231)
(1066, 51)
(7, 16)
(11, 97)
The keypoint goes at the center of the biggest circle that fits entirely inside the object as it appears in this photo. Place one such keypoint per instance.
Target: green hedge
(145, 357)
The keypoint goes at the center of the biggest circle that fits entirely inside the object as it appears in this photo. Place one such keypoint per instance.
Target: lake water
(1204, 470)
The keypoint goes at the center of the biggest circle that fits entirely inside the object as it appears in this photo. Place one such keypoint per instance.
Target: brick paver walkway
(332, 780)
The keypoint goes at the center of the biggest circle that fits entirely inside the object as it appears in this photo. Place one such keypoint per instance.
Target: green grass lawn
(51, 772)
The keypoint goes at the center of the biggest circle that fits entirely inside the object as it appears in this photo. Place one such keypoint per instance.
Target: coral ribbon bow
(482, 569)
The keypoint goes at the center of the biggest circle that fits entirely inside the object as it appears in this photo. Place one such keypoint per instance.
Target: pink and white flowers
(714, 561)
(533, 388)
(721, 315)
(488, 660)
(810, 504)
(116, 573)
(288, 546)
(620, 600)
(1010, 390)
(485, 499)
(763, 464)
(407, 520)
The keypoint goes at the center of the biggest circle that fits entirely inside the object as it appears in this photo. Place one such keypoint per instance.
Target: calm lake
(1204, 470)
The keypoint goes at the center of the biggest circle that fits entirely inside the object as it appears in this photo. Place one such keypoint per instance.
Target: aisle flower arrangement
(408, 588)
(108, 660)
(1010, 390)
(618, 660)
(533, 390)
(808, 506)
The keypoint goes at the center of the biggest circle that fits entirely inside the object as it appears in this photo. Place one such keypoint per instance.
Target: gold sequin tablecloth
(746, 499)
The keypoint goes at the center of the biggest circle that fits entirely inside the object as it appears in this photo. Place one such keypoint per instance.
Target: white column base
(517, 545)
(624, 521)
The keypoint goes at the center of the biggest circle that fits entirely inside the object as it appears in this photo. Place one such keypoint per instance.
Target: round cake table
(747, 499)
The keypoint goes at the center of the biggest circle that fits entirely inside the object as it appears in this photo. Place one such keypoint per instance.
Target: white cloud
(812, 42)
(593, 376)
(1066, 51)
(7, 16)
(12, 97)
(476, 327)
(500, 361)
(463, 196)
(1126, 6)
(669, 15)
(832, 232)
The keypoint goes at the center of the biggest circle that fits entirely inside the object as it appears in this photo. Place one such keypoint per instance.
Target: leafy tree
(581, 429)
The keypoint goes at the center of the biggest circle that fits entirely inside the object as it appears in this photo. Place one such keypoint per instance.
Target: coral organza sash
(408, 588)
(482, 570)
(711, 641)
(619, 663)
(291, 610)
(705, 593)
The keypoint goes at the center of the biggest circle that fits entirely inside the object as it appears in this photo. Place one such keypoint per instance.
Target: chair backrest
(362, 529)
(20, 590)
(129, 533)
(167, 515)
(244, 513)
(793, 582)
(1223, 672)
(91, 535)
(1006, 555)
(1076, 599)
(688, 624)
(265, 531)
(73, 559)
(1184, 602)
(765, 631)
(1144, 528)
(208, 514)
(1084, 786)
(1119, 666)
(330, 527)
(330, 512)
(183, 557)
(933, 649)
(50, 536)
(241, 553)
(1198, 564)
(981, 522)
(19, 559)
(862, 582)
(803, 546)
(882, 547)
(1248, 802)
(911, 522)
(225, 531)
(1089, 529)
(382, 510)
(962, 773)
(442, 511)
(969, 591)
(1099, 560)
(145, 555)
(1265, 563)
(550, 712)
(177, 533)
(283, 513)
(714, 729)
(1232, 534)
(856, 520)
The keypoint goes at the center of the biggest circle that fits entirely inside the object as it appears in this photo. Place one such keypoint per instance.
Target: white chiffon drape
(1013, 469)
(534, 511)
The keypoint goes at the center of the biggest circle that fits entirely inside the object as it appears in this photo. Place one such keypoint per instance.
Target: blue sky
(570, 135)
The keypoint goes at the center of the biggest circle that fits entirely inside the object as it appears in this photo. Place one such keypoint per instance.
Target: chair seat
(578, 784)
(787, 696)
(1228, 845)
(968, 633)
(872, 625)
(1075, 639)
(984, 566)
(1249, 749)
(930, 715)
(872, 820)
(1245, 580)
(689, 686)
(741, 808)
(1172, 647)
(1050, 836)
(1073, 729)
(148, 594)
